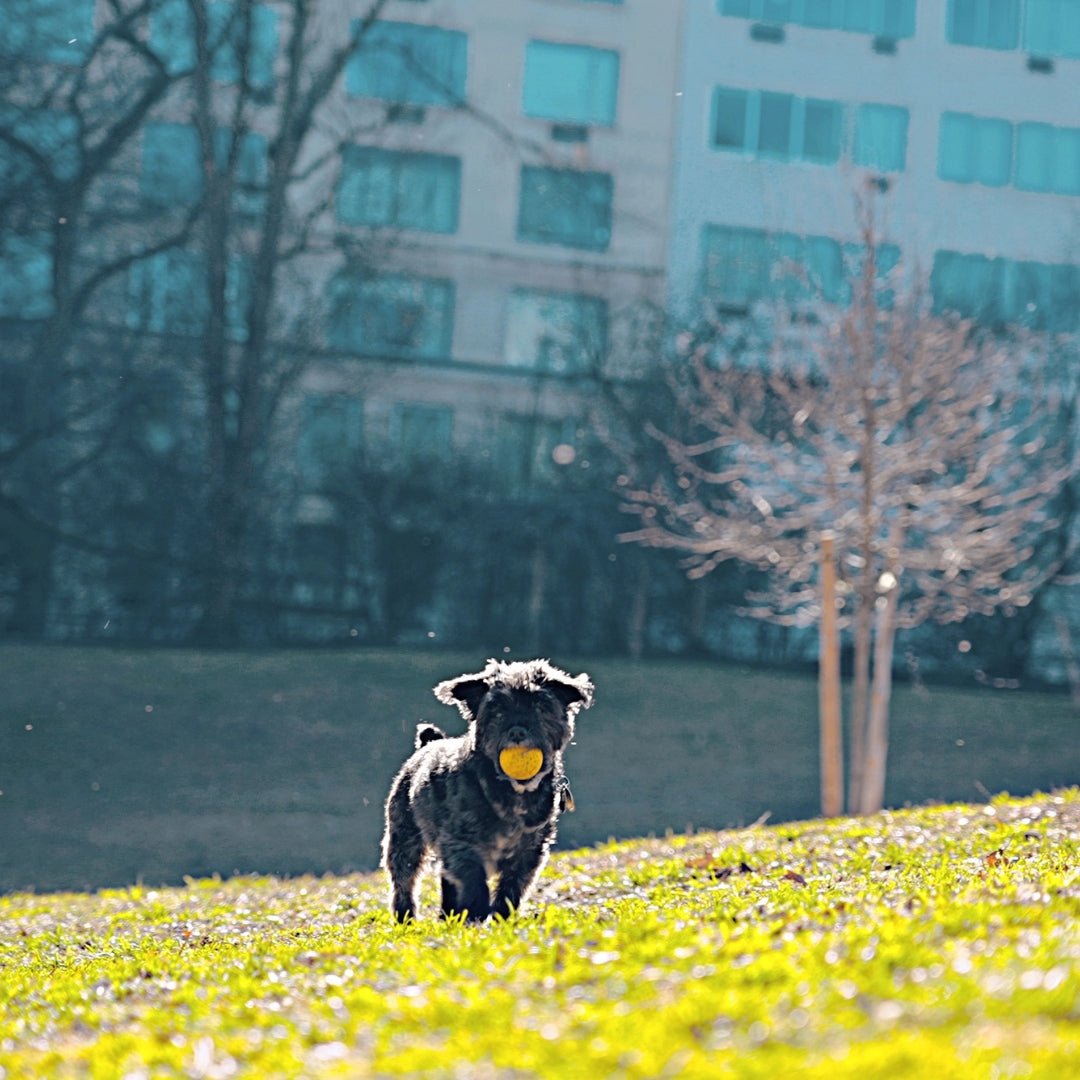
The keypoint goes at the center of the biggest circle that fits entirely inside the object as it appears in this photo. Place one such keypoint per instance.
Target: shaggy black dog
(455, 800)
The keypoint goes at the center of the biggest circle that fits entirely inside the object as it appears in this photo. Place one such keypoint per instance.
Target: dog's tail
(426, 733)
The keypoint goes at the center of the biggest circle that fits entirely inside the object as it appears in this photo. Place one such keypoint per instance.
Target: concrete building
(963, 114)
(529, 182)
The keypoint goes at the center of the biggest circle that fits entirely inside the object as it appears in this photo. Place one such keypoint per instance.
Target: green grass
(124, 765)
(941, 943)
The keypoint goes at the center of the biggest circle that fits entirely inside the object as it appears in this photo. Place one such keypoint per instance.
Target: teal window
(730, 110)
(743, 266)
(736, 265)
(331, 435)
(967, 285)
(881, 137)
(975, 150)
(26, 269)
(397, 189)
(524, 449)
(171, 165)
(989, 24)
(168, 294)
(172, 37)
(774, 130)
(1052, 28)
(822, 127)
(572, 83)
(393, 315)
(567, 207)
(1048, 158)
(410, 63)
(556, 333)
(854, 266)
(53, 138)
(1041, 296)
(777, 125)
(886, 18)
(231, 37)
(423, 431)
(252, 169)
(58, 30)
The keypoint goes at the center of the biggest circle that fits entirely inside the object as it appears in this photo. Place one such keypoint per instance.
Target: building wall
(927, 75)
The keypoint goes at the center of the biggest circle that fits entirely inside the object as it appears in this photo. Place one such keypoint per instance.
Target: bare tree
(237, 112)
(911, 438)
(74, 101)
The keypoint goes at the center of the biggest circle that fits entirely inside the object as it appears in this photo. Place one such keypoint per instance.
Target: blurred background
(335, 341)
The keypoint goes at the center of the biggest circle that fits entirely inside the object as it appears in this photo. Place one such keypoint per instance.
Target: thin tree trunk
(537, 587)
(860, 696)
(639, 609)
(832, 756)
(872, 795)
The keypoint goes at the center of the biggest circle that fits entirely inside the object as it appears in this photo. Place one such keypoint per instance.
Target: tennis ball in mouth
(521, 762)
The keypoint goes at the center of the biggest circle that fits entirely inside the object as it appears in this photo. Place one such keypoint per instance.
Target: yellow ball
(521, 762)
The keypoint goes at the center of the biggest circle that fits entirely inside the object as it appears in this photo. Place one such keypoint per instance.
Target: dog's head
(526, 706)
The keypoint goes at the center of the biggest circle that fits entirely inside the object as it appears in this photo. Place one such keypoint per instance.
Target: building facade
(963, 115)
(502, 201)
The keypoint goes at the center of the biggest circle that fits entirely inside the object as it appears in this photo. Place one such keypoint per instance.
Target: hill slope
(942, 942)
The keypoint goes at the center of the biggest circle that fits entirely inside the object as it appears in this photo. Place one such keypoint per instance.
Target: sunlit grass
(942, 942)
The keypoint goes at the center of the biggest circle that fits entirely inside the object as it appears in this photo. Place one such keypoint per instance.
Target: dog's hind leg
(403, 853)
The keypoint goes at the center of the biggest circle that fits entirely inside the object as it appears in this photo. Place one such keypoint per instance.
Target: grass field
(940, 943)
(124, 766)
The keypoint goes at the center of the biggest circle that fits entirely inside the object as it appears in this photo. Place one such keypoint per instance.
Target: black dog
(454, 798)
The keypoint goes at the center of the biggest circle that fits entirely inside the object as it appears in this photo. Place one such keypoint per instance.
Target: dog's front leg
(449, 897)
(516, 876)
(468, 893)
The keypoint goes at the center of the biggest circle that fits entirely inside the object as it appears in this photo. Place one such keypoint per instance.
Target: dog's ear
(466, 692)
(573, 692)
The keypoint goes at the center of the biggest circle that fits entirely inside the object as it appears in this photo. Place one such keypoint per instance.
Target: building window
(555, 333)
(331, 435)
(565, 206)
(777, 125)
(172, 37)
(989, 24)
(975, 150)
(171, 165)
(571, 83)
(883, 18)
(881, 137)
(741, 267)
(172, 172)
(393, 316)
(401, 190)
(1052, 28)
(61, 31)
(1041, 296)
(252, 169)
(54, 137)
(1048, 158)
(410, 63)
(320, 567)
(168, 294)
(423, 432)
(26, 269)
(531, 449)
